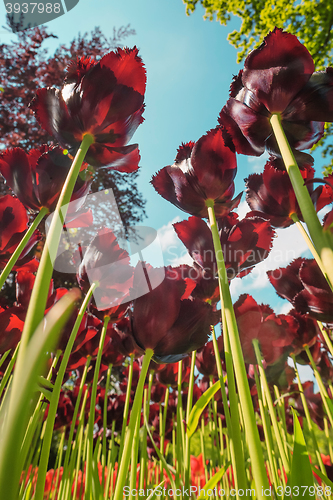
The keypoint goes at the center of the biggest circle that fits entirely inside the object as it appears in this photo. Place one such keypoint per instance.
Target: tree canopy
(310, 20)
(25, 66)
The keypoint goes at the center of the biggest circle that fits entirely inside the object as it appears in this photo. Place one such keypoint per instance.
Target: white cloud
(242, 209)
(287, 246)
(257, 163)
(174, 252)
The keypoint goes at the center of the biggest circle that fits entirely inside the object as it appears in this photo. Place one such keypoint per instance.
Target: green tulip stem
(38, 299)
(322, 389)
(48, 432)
(308, 418)
(144, 454)
(91, 419)
(179, 436)
(162, 428)
(136, 410)
(269, 402)
(232, 415)
(267, 431)
(251, 430)
(188, 411)
(4, 356)
(12, 261)
(105, 416)
(326, 337)
(126, 406)
(311, 247)
(8, 372)
(303, 197)
(73, 424)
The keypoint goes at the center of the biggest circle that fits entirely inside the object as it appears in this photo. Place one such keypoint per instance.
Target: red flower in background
(167, 319)
(244, 243)
(202, 170)
(306, 333)
(108, 264)
(271, 195)
(274, 333)
(104, 99)
(13, 226)
(303, 284)
(278, 77)
(205, 360)
(37, 177)
(197, 471)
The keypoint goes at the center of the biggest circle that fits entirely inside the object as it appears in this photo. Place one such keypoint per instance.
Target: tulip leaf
(16, 411)
(301, 472)
(330, 405)
(166, 466)
(199, 407)
(212, 483)
(152, 494)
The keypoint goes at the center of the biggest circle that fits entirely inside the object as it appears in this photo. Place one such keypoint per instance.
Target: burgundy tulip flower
(303, 284)
(314, 402)
(126, 343)
(205, 359)
(202, 170)
(13, 226)
(278, 77)
(274, 332)
(108, 264)
(11, 326)
(167, 320)
(111, 353)
(271, 194)
(244, 243)
(37, 177)
(306, 333)
(104, 99)
(168, 376)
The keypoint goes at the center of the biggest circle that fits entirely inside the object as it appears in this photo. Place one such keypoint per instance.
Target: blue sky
(189, 65)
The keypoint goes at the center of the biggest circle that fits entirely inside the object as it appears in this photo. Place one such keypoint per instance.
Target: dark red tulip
(168, 376)
(274, 333)
(115, 313)
(205, 359)
(244, 243)
(168, 322)
(303, 284)
(126, 343)
(24, 284)
(325, 368)
(271, 194)
(278, 77)
(11, 326)
(314, 402)
(37, 177)
(108, 264)
(111, 352)
(65, 411)
(306, 333)
(13, 226)
(157, 394)
(202, 170)
(104, 99)
(316, 352)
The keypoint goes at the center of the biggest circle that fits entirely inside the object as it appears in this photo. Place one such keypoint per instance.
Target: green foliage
(310, 20)
(199, 407)
(301, 473)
